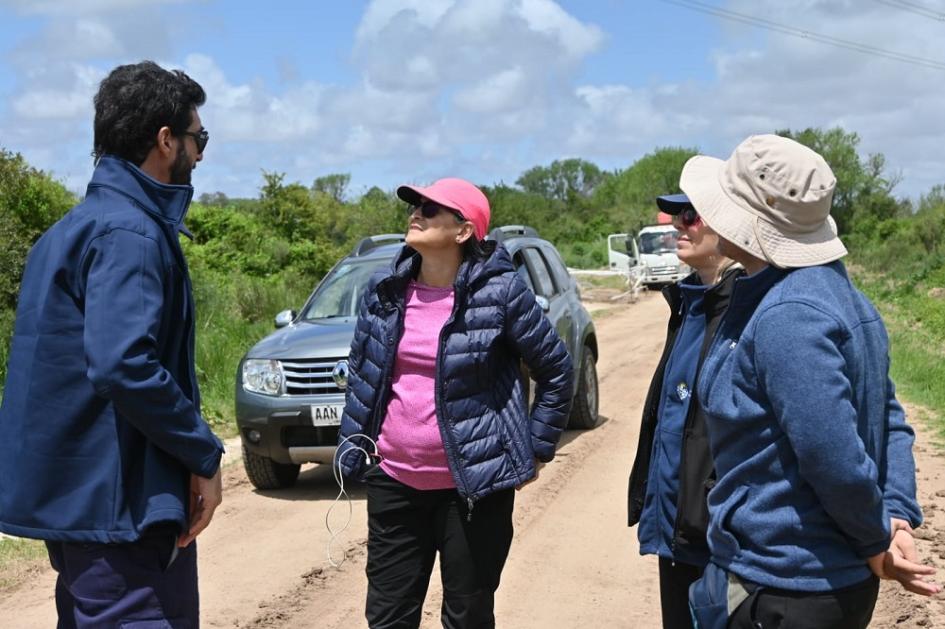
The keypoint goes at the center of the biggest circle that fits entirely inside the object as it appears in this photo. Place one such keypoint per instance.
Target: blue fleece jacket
(811, 448)
(101, 411)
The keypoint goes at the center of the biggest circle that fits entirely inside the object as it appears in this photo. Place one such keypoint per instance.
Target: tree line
(251, 257)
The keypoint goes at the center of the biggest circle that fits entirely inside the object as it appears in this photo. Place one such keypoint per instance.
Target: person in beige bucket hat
(815, 490)
(771, 198)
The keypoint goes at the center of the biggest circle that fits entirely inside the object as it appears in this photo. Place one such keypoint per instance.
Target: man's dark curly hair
(135, 101)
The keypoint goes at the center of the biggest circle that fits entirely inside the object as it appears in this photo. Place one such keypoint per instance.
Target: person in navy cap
(673, 469)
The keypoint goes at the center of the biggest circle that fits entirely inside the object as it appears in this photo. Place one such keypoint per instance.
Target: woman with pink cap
(435, 379)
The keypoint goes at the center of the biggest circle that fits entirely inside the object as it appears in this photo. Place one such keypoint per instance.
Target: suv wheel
(264, 473)
(584, 411)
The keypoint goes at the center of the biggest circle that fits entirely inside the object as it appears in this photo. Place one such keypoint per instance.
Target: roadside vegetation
(251, 258)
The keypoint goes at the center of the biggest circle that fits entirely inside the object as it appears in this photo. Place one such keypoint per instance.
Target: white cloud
(486, 89)
(500, 92)
(546, 16)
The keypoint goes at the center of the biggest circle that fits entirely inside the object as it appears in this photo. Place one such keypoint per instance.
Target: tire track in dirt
(573, 563)
(557, 574)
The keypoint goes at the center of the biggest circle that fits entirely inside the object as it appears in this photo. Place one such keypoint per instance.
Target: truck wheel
(264, 473)
(584, 410)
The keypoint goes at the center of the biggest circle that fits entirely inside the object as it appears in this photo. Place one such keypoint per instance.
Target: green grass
(18, 557)
(915, 320)
(616, 282)
(233, 313)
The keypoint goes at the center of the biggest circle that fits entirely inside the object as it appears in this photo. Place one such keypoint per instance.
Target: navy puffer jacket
(491, 440)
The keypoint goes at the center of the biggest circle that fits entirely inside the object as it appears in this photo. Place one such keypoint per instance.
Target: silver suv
(290, 386)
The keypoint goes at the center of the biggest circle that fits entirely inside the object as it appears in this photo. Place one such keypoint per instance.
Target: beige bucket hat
(771, 198)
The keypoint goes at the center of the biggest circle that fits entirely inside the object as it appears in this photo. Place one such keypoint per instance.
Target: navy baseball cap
(673, 204)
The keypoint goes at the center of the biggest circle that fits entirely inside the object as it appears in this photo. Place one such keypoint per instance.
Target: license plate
(327, 414)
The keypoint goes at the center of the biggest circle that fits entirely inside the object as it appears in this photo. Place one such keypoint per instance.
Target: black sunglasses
(689, 217)
(200, 137)
(429, 209)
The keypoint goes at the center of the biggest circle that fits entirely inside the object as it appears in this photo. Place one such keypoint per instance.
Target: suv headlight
(263, 376)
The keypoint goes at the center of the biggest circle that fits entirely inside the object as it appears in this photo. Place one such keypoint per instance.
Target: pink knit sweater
(410, 443)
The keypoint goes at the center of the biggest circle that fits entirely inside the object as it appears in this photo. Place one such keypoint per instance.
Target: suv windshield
(661, 242)
(339, 293)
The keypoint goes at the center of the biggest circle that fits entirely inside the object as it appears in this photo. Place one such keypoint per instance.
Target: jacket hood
(168, 202)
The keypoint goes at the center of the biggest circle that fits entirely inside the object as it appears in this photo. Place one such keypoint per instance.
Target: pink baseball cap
(456, 194)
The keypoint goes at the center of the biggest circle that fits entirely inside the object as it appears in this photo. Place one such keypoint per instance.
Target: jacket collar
(406, 266)
(749, 290)
(716, 297)
(166, 202)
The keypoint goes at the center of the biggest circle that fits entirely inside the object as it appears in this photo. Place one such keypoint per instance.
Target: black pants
(141, 584)
(847, 608)
(674, 593)
(407, 527)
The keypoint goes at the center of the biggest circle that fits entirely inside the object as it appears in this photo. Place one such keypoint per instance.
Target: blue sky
(411, 90)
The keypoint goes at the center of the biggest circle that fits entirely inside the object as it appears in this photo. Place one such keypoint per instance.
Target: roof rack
(500, 234)
(372, 242)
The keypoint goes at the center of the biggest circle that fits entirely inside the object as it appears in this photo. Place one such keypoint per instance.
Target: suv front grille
(310, 376)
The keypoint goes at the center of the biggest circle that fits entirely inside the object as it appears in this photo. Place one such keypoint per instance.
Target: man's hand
(538, 466)
(206, 494)
(901, 563)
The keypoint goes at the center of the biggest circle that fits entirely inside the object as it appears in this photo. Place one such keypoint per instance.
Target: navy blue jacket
(491, 441)
(101, 413)
(812, 450)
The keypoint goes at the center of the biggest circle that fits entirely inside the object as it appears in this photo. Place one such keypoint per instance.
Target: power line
(785, 29)
(912, 7)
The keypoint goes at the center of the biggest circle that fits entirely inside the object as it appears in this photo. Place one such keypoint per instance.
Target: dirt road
(574, 563)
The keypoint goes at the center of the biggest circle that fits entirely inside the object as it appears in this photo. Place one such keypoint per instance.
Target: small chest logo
(682, 391)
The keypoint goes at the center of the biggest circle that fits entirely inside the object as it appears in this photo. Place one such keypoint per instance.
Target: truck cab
(651, 252)
(657, 245)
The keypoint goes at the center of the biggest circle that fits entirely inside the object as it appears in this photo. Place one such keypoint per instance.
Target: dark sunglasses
(429, 209)
(200, 137)
(689, 217)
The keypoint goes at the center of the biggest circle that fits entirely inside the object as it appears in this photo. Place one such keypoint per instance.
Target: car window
(544, 285)
(658, 242)
(522, 269)
(558, 269)
(339, 294)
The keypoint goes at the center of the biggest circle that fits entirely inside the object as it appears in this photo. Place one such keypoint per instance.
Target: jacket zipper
(441, 419)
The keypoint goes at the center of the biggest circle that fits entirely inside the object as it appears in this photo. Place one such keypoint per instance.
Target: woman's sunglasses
(429, 209)
(689, 217)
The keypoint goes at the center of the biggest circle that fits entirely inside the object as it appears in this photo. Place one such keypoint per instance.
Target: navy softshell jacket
(101, 415)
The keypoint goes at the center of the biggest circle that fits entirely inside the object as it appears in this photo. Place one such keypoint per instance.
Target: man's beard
(182, 168)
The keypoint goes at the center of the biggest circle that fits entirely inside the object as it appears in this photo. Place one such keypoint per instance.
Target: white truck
(650, 254)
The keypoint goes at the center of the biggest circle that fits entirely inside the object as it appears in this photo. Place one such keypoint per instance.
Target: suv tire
(264, 473)
(584, 413)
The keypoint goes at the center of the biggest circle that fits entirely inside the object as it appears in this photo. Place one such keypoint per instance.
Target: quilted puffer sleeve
(528, 330)
(359, 394)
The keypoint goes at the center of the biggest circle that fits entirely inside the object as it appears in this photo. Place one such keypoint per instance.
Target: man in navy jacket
(105, 454)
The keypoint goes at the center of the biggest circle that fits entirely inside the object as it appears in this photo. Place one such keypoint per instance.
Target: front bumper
(285, 427)
(663, 278)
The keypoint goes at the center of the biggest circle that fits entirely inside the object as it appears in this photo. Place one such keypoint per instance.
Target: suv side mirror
(543, 303)
(284, 318)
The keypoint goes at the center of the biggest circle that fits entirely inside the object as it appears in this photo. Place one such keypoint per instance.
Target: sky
(396, 91)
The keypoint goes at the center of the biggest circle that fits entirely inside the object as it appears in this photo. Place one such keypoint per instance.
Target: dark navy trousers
(147, 584)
